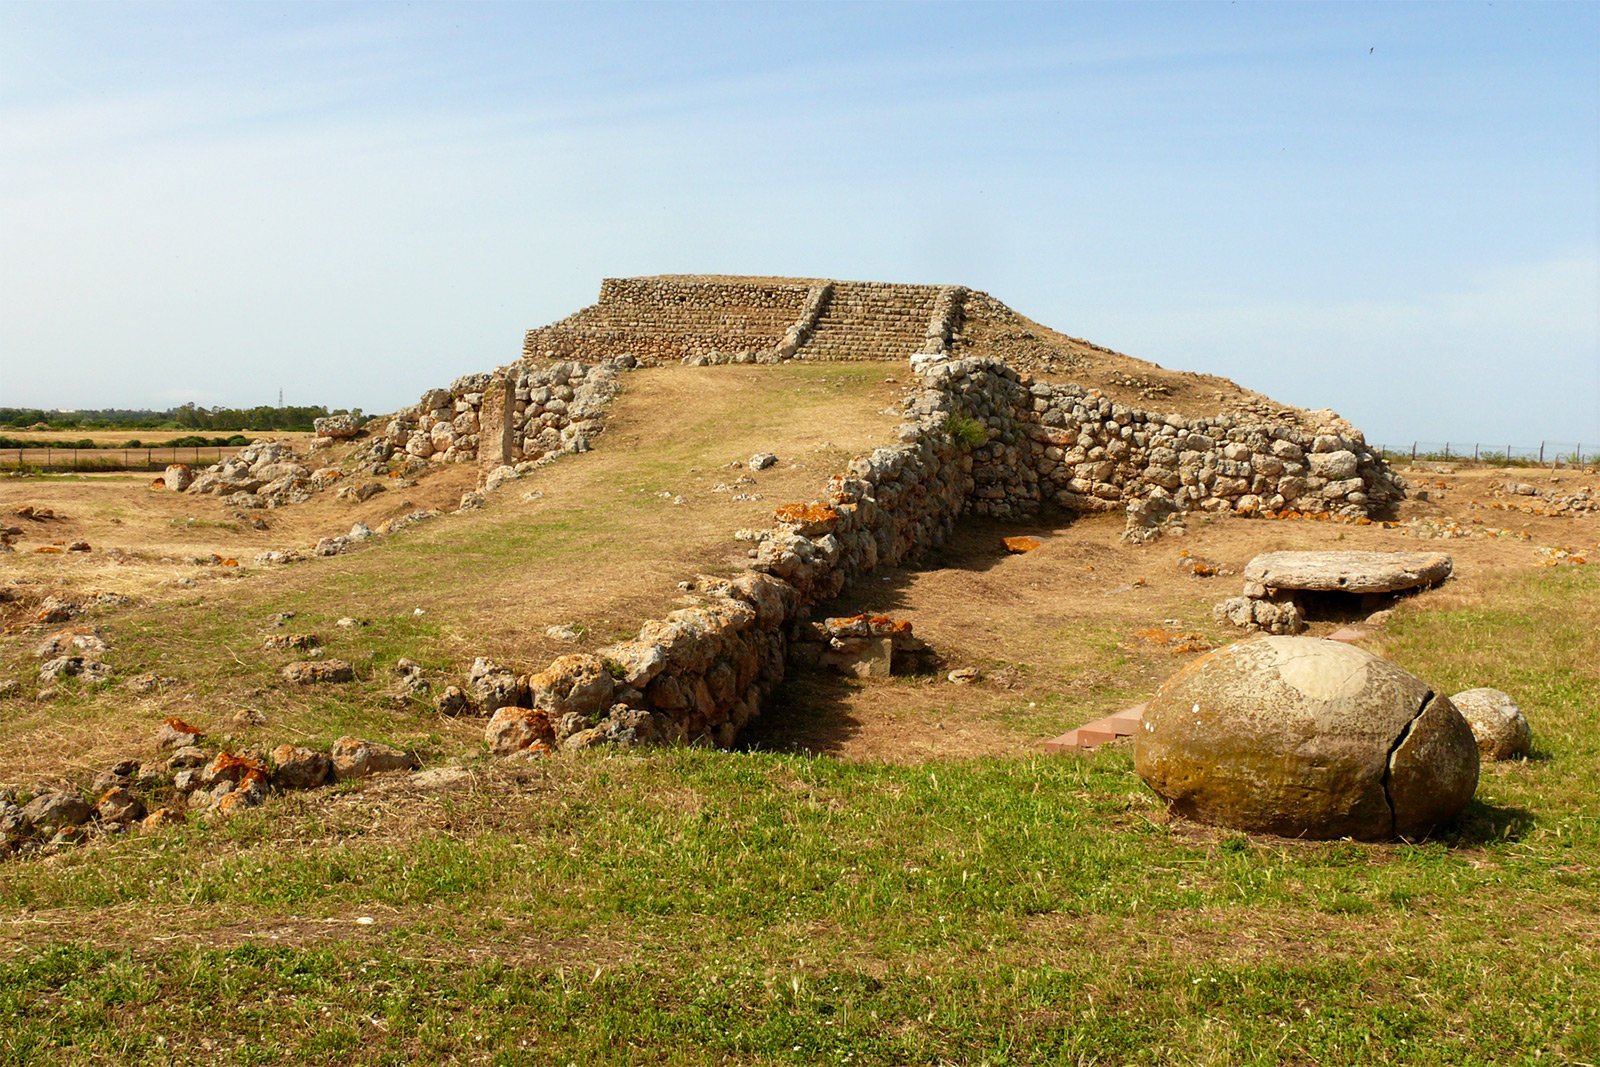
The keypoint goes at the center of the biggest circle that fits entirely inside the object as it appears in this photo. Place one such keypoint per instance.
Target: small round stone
(1501, 730)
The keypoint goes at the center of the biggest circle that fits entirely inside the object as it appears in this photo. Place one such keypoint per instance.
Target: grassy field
(694, 906)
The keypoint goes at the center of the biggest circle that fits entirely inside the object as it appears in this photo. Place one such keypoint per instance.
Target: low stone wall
(552, 409)
(981, 439)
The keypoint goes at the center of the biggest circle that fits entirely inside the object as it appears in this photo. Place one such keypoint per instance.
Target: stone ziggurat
(980, 437)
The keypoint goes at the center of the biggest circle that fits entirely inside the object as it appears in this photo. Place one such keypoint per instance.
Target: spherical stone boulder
(1303, 737)
(1498, 724)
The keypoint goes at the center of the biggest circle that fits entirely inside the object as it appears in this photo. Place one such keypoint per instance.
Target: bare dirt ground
(1085, 625)
(1081, 627)
(597, 542)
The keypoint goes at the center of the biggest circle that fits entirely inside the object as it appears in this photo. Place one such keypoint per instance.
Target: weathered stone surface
(1498, 725)
(119, 805)
(316, 672)
(89, 670)
(338, 427)
(232, 767)
(513, 729)
(453, 701)
(1306, 738)
(1348, 572)
(577, 683)
(52, 811)
(354, 758)
(161, 817)
(299, 768)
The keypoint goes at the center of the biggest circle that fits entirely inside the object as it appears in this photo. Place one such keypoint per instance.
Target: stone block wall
(661, 321)
(552, 409)
(980, 438)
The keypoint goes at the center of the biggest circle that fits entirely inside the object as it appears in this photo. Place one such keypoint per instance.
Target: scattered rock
(300, 768)
(354, 758)
(441, 779)
(53, 810)
(1018, 545)
(762, 460)
(149, 682)
(296, 641)
(513, 729)
(1498, 725)
(89, 670)
(177, 734)
(55, 609)
(79, 641)
(161, 817)
(964, 676)
(119, 806)
(187, 758)
(178, 477)
(319, 672)
(454, 701)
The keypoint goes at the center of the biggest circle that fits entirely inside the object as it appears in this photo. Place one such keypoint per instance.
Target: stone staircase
(669, 319)
(1092, 735)
(871, 321)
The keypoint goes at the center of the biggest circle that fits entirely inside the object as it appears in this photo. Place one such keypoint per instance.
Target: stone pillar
(508, 418)
(497, 422)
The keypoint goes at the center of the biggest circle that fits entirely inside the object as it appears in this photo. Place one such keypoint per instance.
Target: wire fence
(49, 458)
(1543, 454)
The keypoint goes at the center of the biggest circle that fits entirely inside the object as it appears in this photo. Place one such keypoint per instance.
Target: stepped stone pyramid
(711, 318)
(722, 319)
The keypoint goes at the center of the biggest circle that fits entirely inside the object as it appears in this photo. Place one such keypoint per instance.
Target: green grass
(692, 906)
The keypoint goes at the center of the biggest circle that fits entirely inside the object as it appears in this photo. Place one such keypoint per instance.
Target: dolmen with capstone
(1274, 581)
(1303, 737)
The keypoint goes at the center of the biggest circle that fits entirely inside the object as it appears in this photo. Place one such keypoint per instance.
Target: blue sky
(1391, 210)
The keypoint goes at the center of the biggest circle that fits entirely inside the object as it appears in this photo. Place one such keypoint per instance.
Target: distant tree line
(186, 417)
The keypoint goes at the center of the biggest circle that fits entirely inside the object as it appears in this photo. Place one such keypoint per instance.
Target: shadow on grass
(809, 714)
(1481, 823)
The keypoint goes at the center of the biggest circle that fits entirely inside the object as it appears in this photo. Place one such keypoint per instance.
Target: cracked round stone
(1303, 737)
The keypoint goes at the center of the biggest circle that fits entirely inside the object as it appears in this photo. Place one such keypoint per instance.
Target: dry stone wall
(662, 321)
(552, 409)
(980, 438)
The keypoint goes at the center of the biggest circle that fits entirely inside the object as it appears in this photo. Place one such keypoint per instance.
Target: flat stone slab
(1348, 572)
(1099, 732)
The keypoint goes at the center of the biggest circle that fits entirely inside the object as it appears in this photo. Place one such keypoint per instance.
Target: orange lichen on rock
(1172, 641)
(227, 763)
(1019, 545)
(50, 550)
(230, 563)
(182, 727)
(808, 519)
